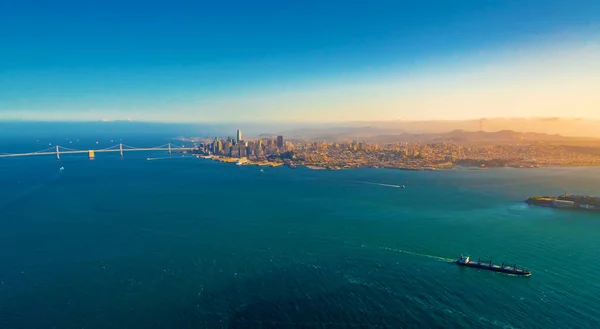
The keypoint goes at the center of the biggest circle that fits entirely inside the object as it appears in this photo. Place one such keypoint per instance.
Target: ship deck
(493, 267)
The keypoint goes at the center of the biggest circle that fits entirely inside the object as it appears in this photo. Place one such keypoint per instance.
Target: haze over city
(311, 62)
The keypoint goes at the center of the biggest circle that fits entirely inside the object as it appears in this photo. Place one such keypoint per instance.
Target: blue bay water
(191, 243)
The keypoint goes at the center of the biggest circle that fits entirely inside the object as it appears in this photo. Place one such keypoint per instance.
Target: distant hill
(455, 136)
(562, 126)
(478, 137)
(465, 130)
(545, 128)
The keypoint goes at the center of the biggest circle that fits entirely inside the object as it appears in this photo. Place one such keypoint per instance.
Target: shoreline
(246, 162)
(566, 202)
(241, 161)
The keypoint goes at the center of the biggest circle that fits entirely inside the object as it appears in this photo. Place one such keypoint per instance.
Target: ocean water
(190, 243)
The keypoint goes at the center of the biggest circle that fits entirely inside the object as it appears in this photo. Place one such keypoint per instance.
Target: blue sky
(318, 61)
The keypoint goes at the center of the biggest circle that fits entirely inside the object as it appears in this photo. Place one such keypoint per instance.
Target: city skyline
(316, 62)
(500, 149)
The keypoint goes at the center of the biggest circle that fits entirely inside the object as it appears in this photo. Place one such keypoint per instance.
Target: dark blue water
(191, 243)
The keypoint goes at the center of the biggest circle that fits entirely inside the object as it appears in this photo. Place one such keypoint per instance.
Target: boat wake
(379, 184)
(165, 158)
(438, 258)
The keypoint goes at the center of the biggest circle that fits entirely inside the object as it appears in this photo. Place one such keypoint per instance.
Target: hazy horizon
(311, 63)
(562, 126)
(131, 120)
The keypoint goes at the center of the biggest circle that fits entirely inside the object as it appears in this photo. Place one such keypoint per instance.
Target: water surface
(191, 243)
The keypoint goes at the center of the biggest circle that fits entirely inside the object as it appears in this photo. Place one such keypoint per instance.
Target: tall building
(239, 135)
(279, 141)
(215, 145)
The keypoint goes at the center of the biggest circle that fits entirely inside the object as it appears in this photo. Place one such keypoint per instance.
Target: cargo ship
(465, 261)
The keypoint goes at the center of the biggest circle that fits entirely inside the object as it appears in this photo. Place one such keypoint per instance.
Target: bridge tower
(121, 149)
(57, 153)
(169, 148)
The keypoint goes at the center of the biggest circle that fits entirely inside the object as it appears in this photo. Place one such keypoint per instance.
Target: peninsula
(479, 150)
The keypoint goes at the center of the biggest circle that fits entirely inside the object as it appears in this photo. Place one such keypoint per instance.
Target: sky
(298, 61)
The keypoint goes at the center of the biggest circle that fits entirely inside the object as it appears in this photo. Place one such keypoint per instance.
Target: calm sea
(190, 243)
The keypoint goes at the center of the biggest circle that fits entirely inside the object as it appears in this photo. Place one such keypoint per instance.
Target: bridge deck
(97, 151)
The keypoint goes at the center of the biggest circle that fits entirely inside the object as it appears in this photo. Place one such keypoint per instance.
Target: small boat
(262, 170)
(403, 186)
(62, 168)
(465, 261)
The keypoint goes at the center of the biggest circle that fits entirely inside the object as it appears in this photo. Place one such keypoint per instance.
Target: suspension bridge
(58, 150)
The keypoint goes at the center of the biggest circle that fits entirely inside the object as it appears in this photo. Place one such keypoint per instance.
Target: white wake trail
(171, 157)
(442, 259)
(379, 184)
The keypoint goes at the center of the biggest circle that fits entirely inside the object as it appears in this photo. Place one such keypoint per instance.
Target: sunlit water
(191, 243)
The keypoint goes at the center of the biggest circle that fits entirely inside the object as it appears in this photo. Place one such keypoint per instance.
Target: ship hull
(494, 268)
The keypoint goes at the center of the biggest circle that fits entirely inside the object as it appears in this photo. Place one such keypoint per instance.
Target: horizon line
(295, 122)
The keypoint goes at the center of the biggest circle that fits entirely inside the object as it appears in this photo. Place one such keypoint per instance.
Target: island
(566, 201)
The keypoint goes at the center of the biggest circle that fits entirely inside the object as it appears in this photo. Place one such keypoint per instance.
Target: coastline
(241, 161)
(312, 166)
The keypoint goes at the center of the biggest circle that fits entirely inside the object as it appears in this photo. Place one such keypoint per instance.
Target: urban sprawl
(277, 151)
